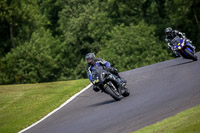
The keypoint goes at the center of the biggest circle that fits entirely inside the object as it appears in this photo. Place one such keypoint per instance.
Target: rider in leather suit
(93, 61)
(171, 34)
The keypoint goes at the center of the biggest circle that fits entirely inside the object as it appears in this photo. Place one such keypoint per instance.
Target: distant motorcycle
(183, 48)
(106, 82)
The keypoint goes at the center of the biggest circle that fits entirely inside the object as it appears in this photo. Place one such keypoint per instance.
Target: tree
(32, 62)
(18, 19)
(134, 46)
(51, 9)
(184, 17)
(48, 40)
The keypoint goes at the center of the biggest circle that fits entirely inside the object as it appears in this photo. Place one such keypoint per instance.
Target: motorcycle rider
(93, 61)
(171, 34)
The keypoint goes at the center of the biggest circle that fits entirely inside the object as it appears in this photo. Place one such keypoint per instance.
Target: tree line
(44, 41)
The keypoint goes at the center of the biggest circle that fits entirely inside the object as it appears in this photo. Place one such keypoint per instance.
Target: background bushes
(42, 41)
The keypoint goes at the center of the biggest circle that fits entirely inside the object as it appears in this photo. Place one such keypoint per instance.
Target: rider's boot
(95, 88)
(176, 53)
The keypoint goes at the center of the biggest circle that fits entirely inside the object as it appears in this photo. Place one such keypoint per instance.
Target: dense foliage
(44, 41)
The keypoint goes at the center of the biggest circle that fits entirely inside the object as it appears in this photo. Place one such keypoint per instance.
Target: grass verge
(185, 122)
(22, 105)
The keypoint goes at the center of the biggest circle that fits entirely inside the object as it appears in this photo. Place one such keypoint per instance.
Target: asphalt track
(157, 91)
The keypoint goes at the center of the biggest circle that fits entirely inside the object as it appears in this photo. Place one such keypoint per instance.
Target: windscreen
(176, 40)
(97, 70)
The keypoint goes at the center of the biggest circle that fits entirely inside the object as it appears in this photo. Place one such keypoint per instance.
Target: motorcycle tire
(113, 94)
(192, 56)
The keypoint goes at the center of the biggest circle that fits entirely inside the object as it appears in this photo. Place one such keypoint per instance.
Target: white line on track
(65, 103)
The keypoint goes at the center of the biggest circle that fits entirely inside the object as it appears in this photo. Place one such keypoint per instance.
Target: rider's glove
(115, 70)
(189, 41)
(95, 81)
(112, 70)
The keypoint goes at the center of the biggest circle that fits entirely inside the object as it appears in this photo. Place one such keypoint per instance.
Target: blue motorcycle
(184, 48)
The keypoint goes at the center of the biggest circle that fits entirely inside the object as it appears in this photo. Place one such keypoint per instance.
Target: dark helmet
(169, 31)
(90, 56)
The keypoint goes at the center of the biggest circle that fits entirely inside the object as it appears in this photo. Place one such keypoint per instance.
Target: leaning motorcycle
(184, 48)
(106, 82)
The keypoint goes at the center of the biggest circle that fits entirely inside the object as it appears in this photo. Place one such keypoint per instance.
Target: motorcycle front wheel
(191, 55)
(113, 93)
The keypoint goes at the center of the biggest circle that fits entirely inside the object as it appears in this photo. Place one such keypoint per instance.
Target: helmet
(169, 31)
(90, 56)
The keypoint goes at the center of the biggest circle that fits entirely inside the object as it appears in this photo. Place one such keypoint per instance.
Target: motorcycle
(184, 48)
(106, 82)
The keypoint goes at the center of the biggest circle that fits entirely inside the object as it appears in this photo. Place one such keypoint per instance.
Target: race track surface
(157, 91)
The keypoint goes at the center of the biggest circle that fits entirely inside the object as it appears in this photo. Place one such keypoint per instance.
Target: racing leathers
(106, 66)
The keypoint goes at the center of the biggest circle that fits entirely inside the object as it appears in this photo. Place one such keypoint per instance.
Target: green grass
(185, 122)
(22, 105)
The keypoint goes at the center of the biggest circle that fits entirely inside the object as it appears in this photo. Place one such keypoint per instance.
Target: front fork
(111, 85)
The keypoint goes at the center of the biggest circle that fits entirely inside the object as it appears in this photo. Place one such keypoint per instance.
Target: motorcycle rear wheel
(126, 93)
